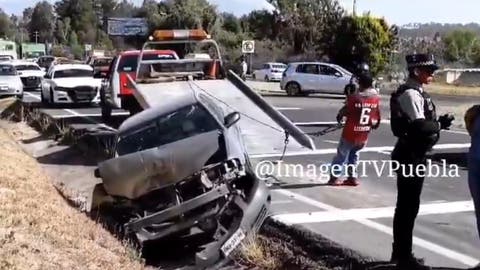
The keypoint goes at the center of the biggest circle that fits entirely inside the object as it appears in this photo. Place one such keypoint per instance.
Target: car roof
(23, 62)
(72, 66)
(137, 52)
(187, 98)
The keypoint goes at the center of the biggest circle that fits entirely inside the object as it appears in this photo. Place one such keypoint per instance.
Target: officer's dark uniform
(414, 122)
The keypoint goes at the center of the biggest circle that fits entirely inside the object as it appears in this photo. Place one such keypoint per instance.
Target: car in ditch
(30, 73)
(10, 82)
(70, 83)
(183, 167)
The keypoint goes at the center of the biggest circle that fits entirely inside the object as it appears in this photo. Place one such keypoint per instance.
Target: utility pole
(36, 36)
(354, 7)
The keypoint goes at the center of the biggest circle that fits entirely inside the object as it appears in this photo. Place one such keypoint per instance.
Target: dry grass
(445, 89)
(255, 252)
(39, 230)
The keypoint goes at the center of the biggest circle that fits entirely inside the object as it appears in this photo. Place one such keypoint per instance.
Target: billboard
(127, 27)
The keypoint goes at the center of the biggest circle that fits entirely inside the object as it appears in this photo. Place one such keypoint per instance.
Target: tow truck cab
(116, 92)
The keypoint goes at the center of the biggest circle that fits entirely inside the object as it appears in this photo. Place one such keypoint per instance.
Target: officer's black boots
(407, 262)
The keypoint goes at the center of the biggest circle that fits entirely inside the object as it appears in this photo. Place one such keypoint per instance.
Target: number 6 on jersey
(365, 116)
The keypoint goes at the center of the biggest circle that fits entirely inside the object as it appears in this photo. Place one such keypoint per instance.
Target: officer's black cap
(422, 60)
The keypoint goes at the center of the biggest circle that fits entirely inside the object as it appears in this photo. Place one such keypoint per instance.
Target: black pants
(408, 203)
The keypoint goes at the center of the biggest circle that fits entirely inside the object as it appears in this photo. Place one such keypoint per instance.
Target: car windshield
(178, 125)
(27, 67)
(72, 73)
(7, 70)
(344, 71)
(102, 62)
(129, 62)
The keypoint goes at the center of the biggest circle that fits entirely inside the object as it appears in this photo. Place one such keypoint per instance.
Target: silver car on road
(10, 82)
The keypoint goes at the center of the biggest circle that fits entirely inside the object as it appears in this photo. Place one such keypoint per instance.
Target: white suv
(302, 78)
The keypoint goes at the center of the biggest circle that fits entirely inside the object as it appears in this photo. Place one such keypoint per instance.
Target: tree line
(297, 30)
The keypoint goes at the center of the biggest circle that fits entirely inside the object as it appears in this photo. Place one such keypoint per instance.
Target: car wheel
(293, 89)
(20, 97)
(266, 78)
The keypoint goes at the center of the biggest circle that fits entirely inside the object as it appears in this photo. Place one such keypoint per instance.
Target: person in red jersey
(362, 110)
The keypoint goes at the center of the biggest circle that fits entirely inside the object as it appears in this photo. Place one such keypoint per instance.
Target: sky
(394, 11)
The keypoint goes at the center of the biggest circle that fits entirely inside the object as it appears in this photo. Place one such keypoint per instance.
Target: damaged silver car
(183, 167)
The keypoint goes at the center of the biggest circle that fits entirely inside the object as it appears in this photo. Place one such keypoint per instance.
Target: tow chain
(326, 130)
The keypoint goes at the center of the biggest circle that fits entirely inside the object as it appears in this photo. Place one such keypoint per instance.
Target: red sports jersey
(363, 112)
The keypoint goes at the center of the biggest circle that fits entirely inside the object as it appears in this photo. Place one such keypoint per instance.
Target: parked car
(270, 72)
(30, 73)
(10, 82)
(180, 170)
(70, 83)
(116, 92)
(302, 78)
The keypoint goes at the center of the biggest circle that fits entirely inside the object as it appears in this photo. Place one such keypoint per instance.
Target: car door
(310, 77)
(333, 80)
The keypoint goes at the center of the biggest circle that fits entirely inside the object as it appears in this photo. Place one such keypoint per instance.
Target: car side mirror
(231, 119)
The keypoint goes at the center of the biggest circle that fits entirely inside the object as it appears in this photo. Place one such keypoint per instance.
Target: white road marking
(288, 109)
(281, 202)
(329, 141)
(78, 114)
(327, 123)
(372, 213)
(380, 149)
(88, 115)
(457, 132)
(454, 255)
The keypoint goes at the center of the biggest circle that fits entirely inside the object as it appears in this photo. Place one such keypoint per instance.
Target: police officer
(414, 122)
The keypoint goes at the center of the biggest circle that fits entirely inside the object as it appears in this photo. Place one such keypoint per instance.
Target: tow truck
(184, 162)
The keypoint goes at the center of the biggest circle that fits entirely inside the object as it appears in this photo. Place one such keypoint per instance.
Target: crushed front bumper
(251, 211)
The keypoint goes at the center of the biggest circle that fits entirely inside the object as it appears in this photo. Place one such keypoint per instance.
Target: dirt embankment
(39, 230)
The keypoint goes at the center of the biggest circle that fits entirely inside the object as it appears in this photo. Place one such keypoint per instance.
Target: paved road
(361, 217)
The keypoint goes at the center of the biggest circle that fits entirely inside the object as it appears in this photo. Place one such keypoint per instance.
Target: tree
(307, 23)
(231, 23)
(82, 16)
(42, 22)
(187, 14)
(461, 46)
(362, 39)
(6, 26)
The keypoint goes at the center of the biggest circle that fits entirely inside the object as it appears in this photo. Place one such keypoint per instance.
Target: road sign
(88, 47)
(127, 26)
(248, 46)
